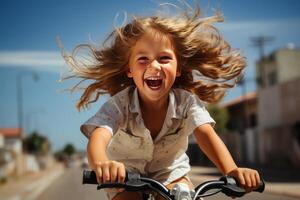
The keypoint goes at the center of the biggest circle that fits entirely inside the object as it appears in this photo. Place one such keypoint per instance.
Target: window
(272, 78)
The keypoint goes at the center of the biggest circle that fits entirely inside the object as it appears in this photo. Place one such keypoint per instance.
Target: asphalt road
(68, 187)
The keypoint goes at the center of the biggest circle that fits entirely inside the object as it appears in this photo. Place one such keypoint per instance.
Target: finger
(113, 172)
(98, 172)
(253, 180)
(121, 173)
(248, 183)
(241, 179)
(248, 180)
(257, 177)
(105, 173)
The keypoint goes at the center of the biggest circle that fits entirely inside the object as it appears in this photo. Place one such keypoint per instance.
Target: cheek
(173, 70)
(136, 73)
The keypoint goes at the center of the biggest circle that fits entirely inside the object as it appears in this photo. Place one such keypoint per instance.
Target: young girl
(159, 71)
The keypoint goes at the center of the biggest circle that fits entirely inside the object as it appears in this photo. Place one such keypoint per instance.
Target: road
(68, 187)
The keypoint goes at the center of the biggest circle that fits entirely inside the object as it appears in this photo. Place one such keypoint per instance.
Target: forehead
(153, 41)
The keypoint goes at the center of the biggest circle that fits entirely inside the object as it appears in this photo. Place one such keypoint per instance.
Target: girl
(159, 71)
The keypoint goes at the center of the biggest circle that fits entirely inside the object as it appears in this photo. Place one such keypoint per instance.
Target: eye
(143, 60)
(165, 59)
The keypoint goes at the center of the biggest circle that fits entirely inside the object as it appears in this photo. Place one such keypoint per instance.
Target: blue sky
(27, 44)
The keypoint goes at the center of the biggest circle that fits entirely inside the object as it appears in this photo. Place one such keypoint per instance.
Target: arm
(96, 148)
(214, 148)
(106, 170)
(210, 143)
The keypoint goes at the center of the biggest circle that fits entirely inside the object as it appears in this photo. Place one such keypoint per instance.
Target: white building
(279, 107)
(10, 152)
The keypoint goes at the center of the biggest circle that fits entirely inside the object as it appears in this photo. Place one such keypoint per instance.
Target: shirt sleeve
(197, 114)
(109, 116)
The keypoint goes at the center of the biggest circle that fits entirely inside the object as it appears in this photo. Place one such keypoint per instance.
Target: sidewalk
(30, 186)
(285, 188)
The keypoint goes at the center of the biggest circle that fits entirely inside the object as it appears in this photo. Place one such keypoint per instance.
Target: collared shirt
(163, 158)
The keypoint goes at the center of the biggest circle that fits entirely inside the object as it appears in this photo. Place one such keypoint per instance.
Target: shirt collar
(134, 106)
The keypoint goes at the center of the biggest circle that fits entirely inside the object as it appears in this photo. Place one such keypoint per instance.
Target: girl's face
(153, 66)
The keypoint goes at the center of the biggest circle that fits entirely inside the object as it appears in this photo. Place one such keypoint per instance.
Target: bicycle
(134, 182)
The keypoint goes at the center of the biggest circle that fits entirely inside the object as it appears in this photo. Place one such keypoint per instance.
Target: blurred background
(40, 141)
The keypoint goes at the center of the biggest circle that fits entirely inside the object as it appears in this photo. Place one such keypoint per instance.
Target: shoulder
(116, 104)
(185, 97)
(119, 99)
(123, 94)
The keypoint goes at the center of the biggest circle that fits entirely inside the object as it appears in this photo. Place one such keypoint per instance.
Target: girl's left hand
(247, 178)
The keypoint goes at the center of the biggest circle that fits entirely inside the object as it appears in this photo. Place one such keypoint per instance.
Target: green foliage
(66, 152)
(221, 116)
(36, 143)
(69, 149)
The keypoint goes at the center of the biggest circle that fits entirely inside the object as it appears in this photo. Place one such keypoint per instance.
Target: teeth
(153, 78)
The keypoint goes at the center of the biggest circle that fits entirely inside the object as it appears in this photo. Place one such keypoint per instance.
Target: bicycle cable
(209, 194)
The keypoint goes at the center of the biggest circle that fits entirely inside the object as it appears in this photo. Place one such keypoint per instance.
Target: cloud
(51, 61)
(236, 31)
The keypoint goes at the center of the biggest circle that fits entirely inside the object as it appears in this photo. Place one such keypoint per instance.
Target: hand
(110, 171)
(247, 178)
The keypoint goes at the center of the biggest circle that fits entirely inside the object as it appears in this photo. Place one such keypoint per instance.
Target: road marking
(36, 189)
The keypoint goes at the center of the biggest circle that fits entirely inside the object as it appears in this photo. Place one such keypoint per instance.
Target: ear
(129, 74)
(178, 73)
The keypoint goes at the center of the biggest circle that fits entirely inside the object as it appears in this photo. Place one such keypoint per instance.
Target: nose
(155, 65)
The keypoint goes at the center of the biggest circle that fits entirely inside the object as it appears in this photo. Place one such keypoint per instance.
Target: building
(242, 112)
(10, 152)
(278, 94)
(242, 136)
(11, 139)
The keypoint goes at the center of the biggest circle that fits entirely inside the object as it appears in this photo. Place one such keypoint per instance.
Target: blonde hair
(207, 63)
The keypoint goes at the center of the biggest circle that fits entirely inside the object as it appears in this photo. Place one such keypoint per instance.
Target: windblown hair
(207, 63)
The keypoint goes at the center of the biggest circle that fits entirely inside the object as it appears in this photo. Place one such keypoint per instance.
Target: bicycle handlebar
(133, 182)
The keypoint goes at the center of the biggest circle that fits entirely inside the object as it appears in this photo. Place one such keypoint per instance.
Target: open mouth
(154, 82)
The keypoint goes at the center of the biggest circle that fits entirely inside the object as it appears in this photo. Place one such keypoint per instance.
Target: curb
(31, 187)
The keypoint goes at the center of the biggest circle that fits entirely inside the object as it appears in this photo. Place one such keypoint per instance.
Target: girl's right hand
(110, 171)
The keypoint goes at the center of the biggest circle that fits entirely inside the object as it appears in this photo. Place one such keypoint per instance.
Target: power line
(260, 42)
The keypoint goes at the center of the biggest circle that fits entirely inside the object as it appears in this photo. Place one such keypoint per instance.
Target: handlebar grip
(231, 187)
(89, 177)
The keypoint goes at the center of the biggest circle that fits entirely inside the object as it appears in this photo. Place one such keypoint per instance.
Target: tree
(36, 143)
(65, 153)
(69, 149)
(220, 115)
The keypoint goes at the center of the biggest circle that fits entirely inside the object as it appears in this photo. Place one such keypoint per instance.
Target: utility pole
(19, 79)
(260, 43)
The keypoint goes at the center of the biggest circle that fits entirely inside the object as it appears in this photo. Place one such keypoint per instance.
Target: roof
(10, 132)
(241, 99)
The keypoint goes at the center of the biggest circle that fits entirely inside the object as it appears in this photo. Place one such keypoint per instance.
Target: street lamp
(29, 120)
(20, 76)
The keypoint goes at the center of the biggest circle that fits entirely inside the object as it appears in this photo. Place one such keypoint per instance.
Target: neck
(154, 106)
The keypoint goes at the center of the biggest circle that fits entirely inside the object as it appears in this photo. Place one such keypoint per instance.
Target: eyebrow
(145, 52)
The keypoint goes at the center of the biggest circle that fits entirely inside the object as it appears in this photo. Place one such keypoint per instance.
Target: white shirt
(163, 158)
